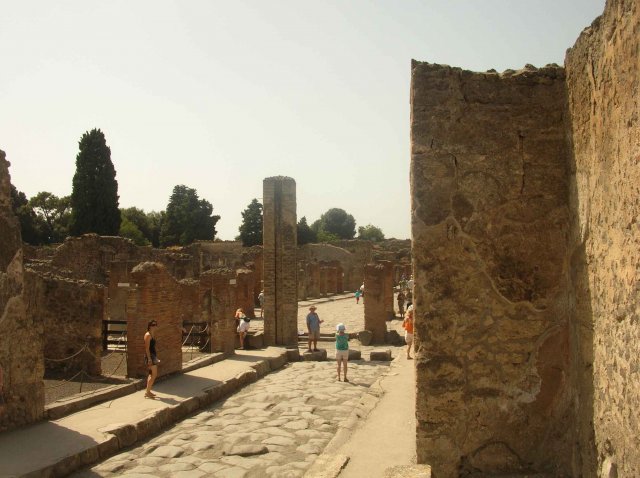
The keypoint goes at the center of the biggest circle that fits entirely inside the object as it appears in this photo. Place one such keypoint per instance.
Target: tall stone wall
(280, 268)
(153, 295)
(603, 78)
(218, 304)
(490, 227)
(245, 282)
(72, 313)
(20, 334)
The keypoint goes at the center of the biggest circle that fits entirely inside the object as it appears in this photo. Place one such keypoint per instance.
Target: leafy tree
(131, 231)
(336, 222)
(54, 215)
(305, 234)
(251, 227)
(140, 220)
(29, 227)
(370, 233)
(324, 236)
(187, 219)
(94, 199)
(156, 219)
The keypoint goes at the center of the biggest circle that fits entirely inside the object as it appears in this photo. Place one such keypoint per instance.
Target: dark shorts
(154, 360)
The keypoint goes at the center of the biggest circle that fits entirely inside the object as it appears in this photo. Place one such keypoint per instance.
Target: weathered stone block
(380, 355)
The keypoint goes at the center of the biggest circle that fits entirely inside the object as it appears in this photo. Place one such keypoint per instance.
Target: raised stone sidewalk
(58, 447)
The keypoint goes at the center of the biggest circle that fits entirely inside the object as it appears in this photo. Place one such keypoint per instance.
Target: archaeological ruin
(525, 253)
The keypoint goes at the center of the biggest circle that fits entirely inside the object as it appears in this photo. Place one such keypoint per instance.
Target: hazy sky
(219, 95)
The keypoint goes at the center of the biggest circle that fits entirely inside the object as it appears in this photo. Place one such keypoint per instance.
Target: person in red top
(408, 330)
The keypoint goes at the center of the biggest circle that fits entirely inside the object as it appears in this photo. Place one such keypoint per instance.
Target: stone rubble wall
(21, 335)
(154, 295)
(71, 313)
(603, 83)
(280, 261)
(245, 297)
(218, 306)
(490, 226)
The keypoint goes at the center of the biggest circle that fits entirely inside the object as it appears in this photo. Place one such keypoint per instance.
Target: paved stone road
(281, 423)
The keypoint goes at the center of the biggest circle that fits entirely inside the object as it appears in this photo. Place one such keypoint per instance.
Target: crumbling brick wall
(245, 281)
(218, 305)
(280, 267)
(72, 313)
(153, 295)
(603, 78)
(375, 314)
(21, 335)
(489, 189)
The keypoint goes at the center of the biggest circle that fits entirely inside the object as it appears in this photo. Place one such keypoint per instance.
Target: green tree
(370, 233)
(29, 226)
(251, 227)
(335, 222)
(305, 234)
(140, 220)
(156, 219)
(94, 199)
(187, 219)
(54, 215)
(131, 231)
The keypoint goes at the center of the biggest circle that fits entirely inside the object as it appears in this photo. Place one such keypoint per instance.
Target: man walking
(313, 326)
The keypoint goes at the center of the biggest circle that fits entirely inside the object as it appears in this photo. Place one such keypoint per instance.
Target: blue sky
(219, 95)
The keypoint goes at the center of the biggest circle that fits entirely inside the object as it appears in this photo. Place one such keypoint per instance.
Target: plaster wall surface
(603, 83)
(490, 227)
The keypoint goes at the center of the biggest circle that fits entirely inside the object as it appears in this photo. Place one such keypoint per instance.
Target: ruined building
(525, 207)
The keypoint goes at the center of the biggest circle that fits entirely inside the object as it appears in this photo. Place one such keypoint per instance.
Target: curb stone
(325, 465)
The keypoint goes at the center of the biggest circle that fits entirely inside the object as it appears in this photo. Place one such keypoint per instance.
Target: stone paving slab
(57, 447)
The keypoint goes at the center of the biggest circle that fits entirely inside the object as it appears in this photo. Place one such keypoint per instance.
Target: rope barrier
(84, 347)
(188, 335)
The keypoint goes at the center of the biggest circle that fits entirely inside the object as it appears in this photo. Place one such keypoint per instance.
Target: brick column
(388, 289)
(339, 279)
(323, 280)
(313, 271)
(244, 291)
(218, 302)
(375, 314)
(280, 269)
(154, 295)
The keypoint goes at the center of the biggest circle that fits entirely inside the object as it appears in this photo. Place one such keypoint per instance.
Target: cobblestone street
(274, 427)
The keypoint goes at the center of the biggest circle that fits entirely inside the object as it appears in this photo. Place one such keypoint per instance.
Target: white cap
(340, 327)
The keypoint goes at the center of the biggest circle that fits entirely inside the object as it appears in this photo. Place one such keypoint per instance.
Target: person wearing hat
(342, 349)
(313, 326)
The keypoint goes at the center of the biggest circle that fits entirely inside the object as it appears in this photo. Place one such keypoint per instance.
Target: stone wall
(20, 334)
(218, 305)
(154, 295)
(245, 297)
(490, 227)
(603, 78)
(375, 314)
(72, 313)
(280, 263)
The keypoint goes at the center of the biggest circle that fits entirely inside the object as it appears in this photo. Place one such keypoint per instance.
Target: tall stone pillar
(280, 268)
(218, 303)
(375, 314)
(387, 290)
(21, 337)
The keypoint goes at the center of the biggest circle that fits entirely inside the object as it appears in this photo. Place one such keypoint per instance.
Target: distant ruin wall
(20, 334)
(490, 239)
(603, 82)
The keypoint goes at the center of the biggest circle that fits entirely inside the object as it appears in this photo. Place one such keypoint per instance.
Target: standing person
(151, 357)
(243, 328)
(400, 300)
(408, 330)
(358, 294)
(261, 301)
(313, 326)
(342, 349)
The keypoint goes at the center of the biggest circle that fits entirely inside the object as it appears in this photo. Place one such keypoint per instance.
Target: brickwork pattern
(154, 295)
(245, 297)
(20, 333)
(280, 261)
(490, 240)
(375, 314)
(218, 305)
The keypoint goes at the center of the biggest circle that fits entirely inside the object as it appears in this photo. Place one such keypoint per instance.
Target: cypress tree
(251, 227)
(94, 199)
